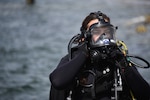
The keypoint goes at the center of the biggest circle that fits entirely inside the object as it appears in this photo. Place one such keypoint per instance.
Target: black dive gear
(105, 57)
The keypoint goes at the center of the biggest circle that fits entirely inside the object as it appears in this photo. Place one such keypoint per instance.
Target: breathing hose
(124, 50)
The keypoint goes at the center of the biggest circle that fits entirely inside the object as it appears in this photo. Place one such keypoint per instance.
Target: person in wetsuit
(88, 74)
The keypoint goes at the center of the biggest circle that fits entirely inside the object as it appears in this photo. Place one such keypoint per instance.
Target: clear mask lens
(102, 35)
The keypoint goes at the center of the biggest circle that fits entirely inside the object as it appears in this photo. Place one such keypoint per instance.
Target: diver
(97, 66)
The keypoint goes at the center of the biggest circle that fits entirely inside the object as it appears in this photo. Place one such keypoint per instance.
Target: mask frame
(101, 35)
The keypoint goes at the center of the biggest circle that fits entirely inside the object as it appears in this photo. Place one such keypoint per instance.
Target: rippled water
(33, 38)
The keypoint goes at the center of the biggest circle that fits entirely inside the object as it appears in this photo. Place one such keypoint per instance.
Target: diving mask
(102, 35)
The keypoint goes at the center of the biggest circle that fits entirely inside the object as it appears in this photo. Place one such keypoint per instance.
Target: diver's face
(105, 32)
(97, 32)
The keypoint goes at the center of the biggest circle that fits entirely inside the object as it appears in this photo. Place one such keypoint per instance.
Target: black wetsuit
(64, 76)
